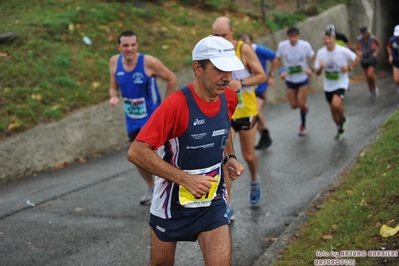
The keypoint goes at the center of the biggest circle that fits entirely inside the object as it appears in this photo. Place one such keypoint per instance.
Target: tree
(263, 10)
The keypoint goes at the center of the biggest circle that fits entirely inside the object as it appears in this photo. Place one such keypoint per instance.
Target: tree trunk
(263, 10)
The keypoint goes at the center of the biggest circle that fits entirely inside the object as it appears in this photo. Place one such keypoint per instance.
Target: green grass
(49, 71)
(367, 197)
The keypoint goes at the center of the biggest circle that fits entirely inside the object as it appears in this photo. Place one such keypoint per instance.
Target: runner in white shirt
(294, 54)
(333, 59)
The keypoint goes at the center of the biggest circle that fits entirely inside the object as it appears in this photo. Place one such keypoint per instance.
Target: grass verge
(354, 210)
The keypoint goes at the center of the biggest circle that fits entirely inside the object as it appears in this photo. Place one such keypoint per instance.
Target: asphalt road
(89, 213)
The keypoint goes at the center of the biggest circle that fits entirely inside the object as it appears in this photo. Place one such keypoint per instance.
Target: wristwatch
(242, 82)
(228, 157)
(271, 74)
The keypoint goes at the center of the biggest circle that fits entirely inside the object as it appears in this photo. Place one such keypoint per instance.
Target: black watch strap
(228, 157)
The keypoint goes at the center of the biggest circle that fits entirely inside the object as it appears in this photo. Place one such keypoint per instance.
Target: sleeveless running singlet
(394, 44)
(140, 93)
(368, 48)
(246, 106)
(199, 150)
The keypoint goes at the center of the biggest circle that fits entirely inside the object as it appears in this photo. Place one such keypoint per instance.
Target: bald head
(223, 27)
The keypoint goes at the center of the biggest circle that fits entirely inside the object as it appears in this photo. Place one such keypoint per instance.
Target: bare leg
(302, 94)
(162, 253)
(292, 98)
(337, 109)
(247, 141)
(370, 76)
(261, 123)
(216, 246)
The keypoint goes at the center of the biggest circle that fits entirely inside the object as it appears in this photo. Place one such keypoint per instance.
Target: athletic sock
(342, 122)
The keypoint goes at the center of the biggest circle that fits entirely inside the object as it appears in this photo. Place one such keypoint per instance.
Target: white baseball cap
(219, 51)
(396, 31)
(330, 27)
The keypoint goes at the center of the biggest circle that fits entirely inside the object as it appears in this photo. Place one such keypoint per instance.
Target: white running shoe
(147, 197)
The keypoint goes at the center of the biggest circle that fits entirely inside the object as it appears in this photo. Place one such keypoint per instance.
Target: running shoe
(230, 212)
(342, 130)
(377, 92)
(374, 94)
(147, 197)
(340, 135)
(302, 131)
(255, 192)
(265, 141)
(344, 124)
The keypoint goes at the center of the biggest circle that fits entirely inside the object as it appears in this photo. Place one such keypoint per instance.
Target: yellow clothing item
(246, 106)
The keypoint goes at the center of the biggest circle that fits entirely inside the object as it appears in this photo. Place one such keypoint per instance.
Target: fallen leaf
(95, 84)
(165, 47)
(82, 160)
(3, 55)
(111, 38)
(377, 224)
(389, 166)
(71, 27)
(390, 222)
(61, 165)
(334, 226)
(36, 97)
(274, 239)
(387, 231)
(79, 209)
(363, 202)
(349, 192)
(14, 126)
(327, 237)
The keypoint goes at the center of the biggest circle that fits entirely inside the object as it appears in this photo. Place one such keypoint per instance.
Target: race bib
(294, 69)
(135, 108)
(188, 200)
(332, 75)
(240, 103)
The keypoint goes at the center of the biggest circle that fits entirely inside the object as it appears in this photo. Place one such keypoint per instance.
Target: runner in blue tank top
(135, 76)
